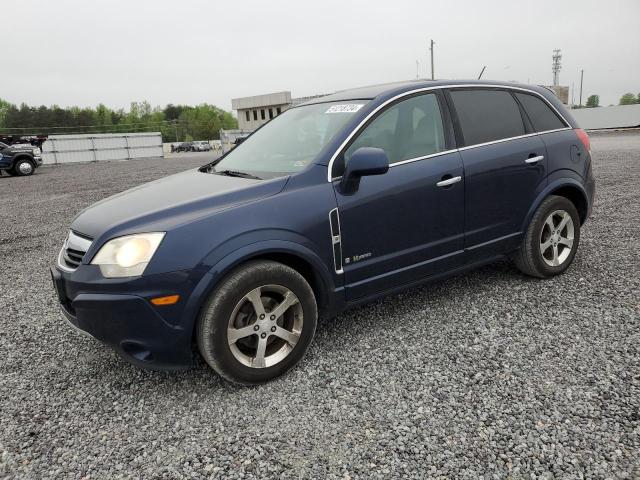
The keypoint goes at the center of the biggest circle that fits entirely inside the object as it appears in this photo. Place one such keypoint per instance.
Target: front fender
(559, 179)
(231, 260)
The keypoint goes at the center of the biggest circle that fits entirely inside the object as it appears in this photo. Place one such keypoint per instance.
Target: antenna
(556, 67)
(417, 69)
(481, 72)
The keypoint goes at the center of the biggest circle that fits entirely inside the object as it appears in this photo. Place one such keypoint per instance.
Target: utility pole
(431, 48)
(581, 78)
(175, 128)
(556, 67)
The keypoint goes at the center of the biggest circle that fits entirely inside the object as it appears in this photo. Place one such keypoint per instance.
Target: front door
(407, 224)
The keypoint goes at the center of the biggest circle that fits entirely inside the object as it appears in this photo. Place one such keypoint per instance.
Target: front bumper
(121, 315)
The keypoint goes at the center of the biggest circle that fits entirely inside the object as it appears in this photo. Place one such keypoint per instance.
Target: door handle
(534, 159)
(448, 181)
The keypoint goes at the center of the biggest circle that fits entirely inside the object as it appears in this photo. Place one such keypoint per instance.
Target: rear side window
(487, 115)
(540, 114)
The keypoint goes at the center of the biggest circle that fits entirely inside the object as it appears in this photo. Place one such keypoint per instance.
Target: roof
(373, 91)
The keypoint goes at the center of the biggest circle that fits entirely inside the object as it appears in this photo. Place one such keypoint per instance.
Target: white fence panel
(98, 147)
(113, 154)
(105, 143)
(618, 116)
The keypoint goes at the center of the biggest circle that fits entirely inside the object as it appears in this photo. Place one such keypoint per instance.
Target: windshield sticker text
(344, 108)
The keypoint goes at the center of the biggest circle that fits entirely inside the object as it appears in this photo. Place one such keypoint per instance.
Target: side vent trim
(336, 240)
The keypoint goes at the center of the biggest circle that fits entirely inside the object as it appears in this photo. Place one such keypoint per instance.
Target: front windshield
(289, 142)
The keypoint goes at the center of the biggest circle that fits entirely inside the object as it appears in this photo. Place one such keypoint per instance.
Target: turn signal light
(168, 300)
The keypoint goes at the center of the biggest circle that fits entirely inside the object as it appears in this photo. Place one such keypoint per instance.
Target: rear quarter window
(541, 115)
(487, 115)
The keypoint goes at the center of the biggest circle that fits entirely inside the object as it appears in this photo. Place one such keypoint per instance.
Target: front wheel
(23, 167)
(551, 241)
(258, 323)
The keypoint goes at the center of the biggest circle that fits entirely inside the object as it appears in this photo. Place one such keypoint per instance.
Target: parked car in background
(19, 159)
(331, 204)
(240, 139)
(202, 146)
(184, 147)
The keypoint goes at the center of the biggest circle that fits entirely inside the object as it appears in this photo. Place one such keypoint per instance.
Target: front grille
(74, 249)
(73, 258)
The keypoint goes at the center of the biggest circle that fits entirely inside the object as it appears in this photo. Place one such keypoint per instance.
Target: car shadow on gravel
(329, 333)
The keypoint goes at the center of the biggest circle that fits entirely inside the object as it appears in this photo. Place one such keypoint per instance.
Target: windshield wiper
(233, 173)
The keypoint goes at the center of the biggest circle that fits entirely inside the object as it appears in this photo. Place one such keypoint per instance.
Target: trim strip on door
(336, 240)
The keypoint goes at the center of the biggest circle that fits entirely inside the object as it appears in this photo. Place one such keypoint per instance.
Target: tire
(551, 241)
(229, 311)
(23, 167)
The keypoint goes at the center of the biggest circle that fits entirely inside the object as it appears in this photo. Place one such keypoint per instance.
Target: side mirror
(364, 161)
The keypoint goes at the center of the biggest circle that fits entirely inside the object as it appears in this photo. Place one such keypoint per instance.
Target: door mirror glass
(363, 162)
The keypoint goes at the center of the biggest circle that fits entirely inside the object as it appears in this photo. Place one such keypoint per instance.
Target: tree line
(176, 123)
(626, 99)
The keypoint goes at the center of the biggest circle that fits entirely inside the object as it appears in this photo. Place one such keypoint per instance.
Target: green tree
(593, 101)
(628, 99)
(4, 106)
(204, 122)
(174, 122)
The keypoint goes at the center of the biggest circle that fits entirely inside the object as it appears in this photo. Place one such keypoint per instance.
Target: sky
(82, 53)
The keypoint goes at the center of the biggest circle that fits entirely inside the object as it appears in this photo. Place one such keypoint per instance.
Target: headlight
(127, 256)
(37, 151)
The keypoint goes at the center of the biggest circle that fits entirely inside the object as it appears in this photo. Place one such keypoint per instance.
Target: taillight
(584, 138)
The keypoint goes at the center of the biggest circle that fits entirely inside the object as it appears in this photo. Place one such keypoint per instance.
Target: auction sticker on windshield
(344, 108)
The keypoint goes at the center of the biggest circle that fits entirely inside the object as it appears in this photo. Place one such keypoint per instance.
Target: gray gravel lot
(487, 375)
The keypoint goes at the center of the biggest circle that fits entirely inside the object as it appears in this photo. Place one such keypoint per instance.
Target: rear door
(402, 226)
(505, 168)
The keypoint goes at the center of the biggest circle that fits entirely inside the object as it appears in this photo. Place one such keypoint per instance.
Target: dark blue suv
(331, 204)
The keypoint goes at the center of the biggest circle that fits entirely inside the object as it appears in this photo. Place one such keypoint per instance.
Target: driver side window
(409, 129)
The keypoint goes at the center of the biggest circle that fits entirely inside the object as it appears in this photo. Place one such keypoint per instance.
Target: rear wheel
(551, 241)
(258, 323)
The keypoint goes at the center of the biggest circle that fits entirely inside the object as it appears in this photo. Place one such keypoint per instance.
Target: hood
(170, 201)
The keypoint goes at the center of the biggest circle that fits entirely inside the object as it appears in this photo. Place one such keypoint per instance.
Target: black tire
(214, 320)
(23, 167)
(529, 256)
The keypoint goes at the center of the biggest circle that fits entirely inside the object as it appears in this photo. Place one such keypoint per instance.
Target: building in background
(562, 92)
(255, 111)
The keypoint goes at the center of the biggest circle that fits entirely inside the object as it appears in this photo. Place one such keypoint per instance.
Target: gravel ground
(487, 375)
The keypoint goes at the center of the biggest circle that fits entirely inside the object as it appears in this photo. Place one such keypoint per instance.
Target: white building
(259, 109)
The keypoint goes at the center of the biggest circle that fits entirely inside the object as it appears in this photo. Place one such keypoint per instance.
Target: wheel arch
(576, 196)
(23, 156)
(569, 188)
(292, 254)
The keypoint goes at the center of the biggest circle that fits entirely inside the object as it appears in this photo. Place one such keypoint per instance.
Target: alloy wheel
(556, 238)
(265, 326)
